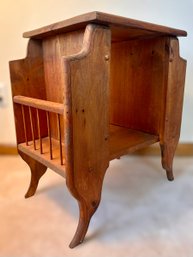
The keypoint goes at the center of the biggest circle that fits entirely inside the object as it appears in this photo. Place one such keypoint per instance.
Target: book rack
(91, 89)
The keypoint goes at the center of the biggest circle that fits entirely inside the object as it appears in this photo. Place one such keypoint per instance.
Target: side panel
(88, 82)
(86, 78)
(27, 79)
(54, 48)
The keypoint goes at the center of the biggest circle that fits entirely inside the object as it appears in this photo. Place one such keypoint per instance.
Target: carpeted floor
(141, 213)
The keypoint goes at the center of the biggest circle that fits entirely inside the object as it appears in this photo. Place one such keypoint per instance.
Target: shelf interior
(124, 141)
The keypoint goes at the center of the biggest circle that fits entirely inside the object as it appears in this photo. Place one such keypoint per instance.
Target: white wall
(22, 15)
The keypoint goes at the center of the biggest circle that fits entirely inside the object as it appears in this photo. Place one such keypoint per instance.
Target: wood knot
(94, 204)
(91, 169)
(106, 57)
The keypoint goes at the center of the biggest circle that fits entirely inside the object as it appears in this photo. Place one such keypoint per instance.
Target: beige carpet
(141, 213)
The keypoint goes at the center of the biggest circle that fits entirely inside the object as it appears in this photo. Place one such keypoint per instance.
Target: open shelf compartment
(122, 141)
(50, 151)
(40, 142)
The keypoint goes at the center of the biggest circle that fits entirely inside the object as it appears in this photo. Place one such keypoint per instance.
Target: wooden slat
(39, 104)
(49, 135)
(113, 21)
(24, 124)
(60, 138)
(32, 128)
(39, 131)
(44, 158)
(123, 141)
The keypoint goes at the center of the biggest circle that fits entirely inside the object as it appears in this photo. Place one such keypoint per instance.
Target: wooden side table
(91, 89)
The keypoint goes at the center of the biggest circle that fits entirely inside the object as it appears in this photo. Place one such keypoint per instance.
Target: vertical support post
(60, 138)
(39, 131)
(49, 134)
(24, 124)
(32, 128)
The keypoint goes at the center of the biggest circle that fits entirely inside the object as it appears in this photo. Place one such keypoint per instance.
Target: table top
(121, 27)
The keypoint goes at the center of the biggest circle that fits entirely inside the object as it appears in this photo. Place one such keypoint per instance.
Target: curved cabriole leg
(36, 174)
(37, 171)
(169, 174)
(84, 219)
(174, 91)
(88, 194)
(167, 160)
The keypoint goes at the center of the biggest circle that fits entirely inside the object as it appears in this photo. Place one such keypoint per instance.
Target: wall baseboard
(183, 149)
(8, 149)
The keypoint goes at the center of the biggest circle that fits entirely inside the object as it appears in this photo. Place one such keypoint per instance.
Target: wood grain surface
(113, 21)
(174, 91)
(91, 89)
(137, 81)
(90, 121)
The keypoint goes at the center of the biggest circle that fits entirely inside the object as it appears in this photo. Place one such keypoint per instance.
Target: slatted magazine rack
(91, 89)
